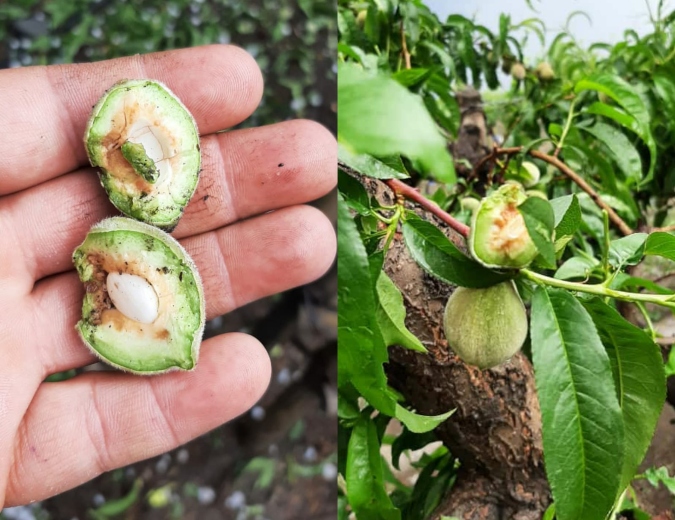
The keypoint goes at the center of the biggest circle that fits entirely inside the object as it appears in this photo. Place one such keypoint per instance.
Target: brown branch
(666, 229)
(400, 188)
(570, 173)
(404, 48)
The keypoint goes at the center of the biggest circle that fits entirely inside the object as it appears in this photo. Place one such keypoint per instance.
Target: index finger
(44, 110)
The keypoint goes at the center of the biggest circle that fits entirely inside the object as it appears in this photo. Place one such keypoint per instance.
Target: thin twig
(404, 48)
(411, 193)
(570, 173)
(665, 229)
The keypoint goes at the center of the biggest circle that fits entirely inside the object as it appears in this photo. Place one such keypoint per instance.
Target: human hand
(54, 436)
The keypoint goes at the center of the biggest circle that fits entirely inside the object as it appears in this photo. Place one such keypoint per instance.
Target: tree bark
(496, 429)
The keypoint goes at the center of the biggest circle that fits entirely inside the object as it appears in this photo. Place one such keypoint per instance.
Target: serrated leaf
(624, 152)
(627, 250)
(412, 77)
(432, 250)
(627, 97)
(639, 378)
(567, 215)
(576, 267)
(539, 221)
(362, 347)
(662, 244)
(355, 195)
(380, 117)
(360, 362)
(665, 89)
(368, 165)
(391, 316)
(620, 116)
(366, 493)
(581, 419)
(420, 423)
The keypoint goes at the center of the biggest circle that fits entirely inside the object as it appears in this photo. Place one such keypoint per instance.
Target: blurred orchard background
(278, 461)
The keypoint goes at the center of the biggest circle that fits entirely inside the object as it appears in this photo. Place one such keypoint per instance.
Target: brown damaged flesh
(113, 160)
(508, 220)
(106, 315)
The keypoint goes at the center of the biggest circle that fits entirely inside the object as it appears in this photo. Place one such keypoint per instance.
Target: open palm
(54, 436)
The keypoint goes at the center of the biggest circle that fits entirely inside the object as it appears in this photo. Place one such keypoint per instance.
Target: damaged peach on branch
(146, 145)
(143, 309)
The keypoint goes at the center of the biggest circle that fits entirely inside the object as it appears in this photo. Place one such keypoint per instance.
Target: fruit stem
(665, 300)
(568, 124)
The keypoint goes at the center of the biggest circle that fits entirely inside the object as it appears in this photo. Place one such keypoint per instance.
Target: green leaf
(639, 379)
(670, 364)
(539, 221)
(581, 419)
(355, 195)
(368, 165)
(662, 244)
(627, 250)
(576, 267)
(622, 280)
(431, 484)
(627, 97)
(362, 347)
(420, 423)
(432, 250)
(620, 116)
(665, 89)
(348, 407)
(408, 440)
(391, 316)
(567, 213)
(656, 476)
(365, 480)
(360, 361)
(412, 77)
(624, 152)
(380, 117)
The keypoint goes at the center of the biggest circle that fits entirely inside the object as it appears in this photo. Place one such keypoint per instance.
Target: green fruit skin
(532, 174)
(510, 248)
(485, 327)
(469, 203)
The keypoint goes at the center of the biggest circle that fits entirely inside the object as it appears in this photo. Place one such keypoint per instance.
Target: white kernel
(133, 296)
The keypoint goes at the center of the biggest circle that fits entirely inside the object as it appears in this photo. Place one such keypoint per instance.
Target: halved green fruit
(146, 144)
(499, 237)
(147, 262)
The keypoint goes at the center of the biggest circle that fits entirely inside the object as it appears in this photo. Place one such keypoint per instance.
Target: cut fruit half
(146, 144)
(143, 309)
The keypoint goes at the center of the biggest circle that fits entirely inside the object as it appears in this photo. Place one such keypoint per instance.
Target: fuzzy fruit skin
(532, 174)
(518, 71)
(544, 71)
(469, 203)
(485, 327)
(498, 237)
(361, 18)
